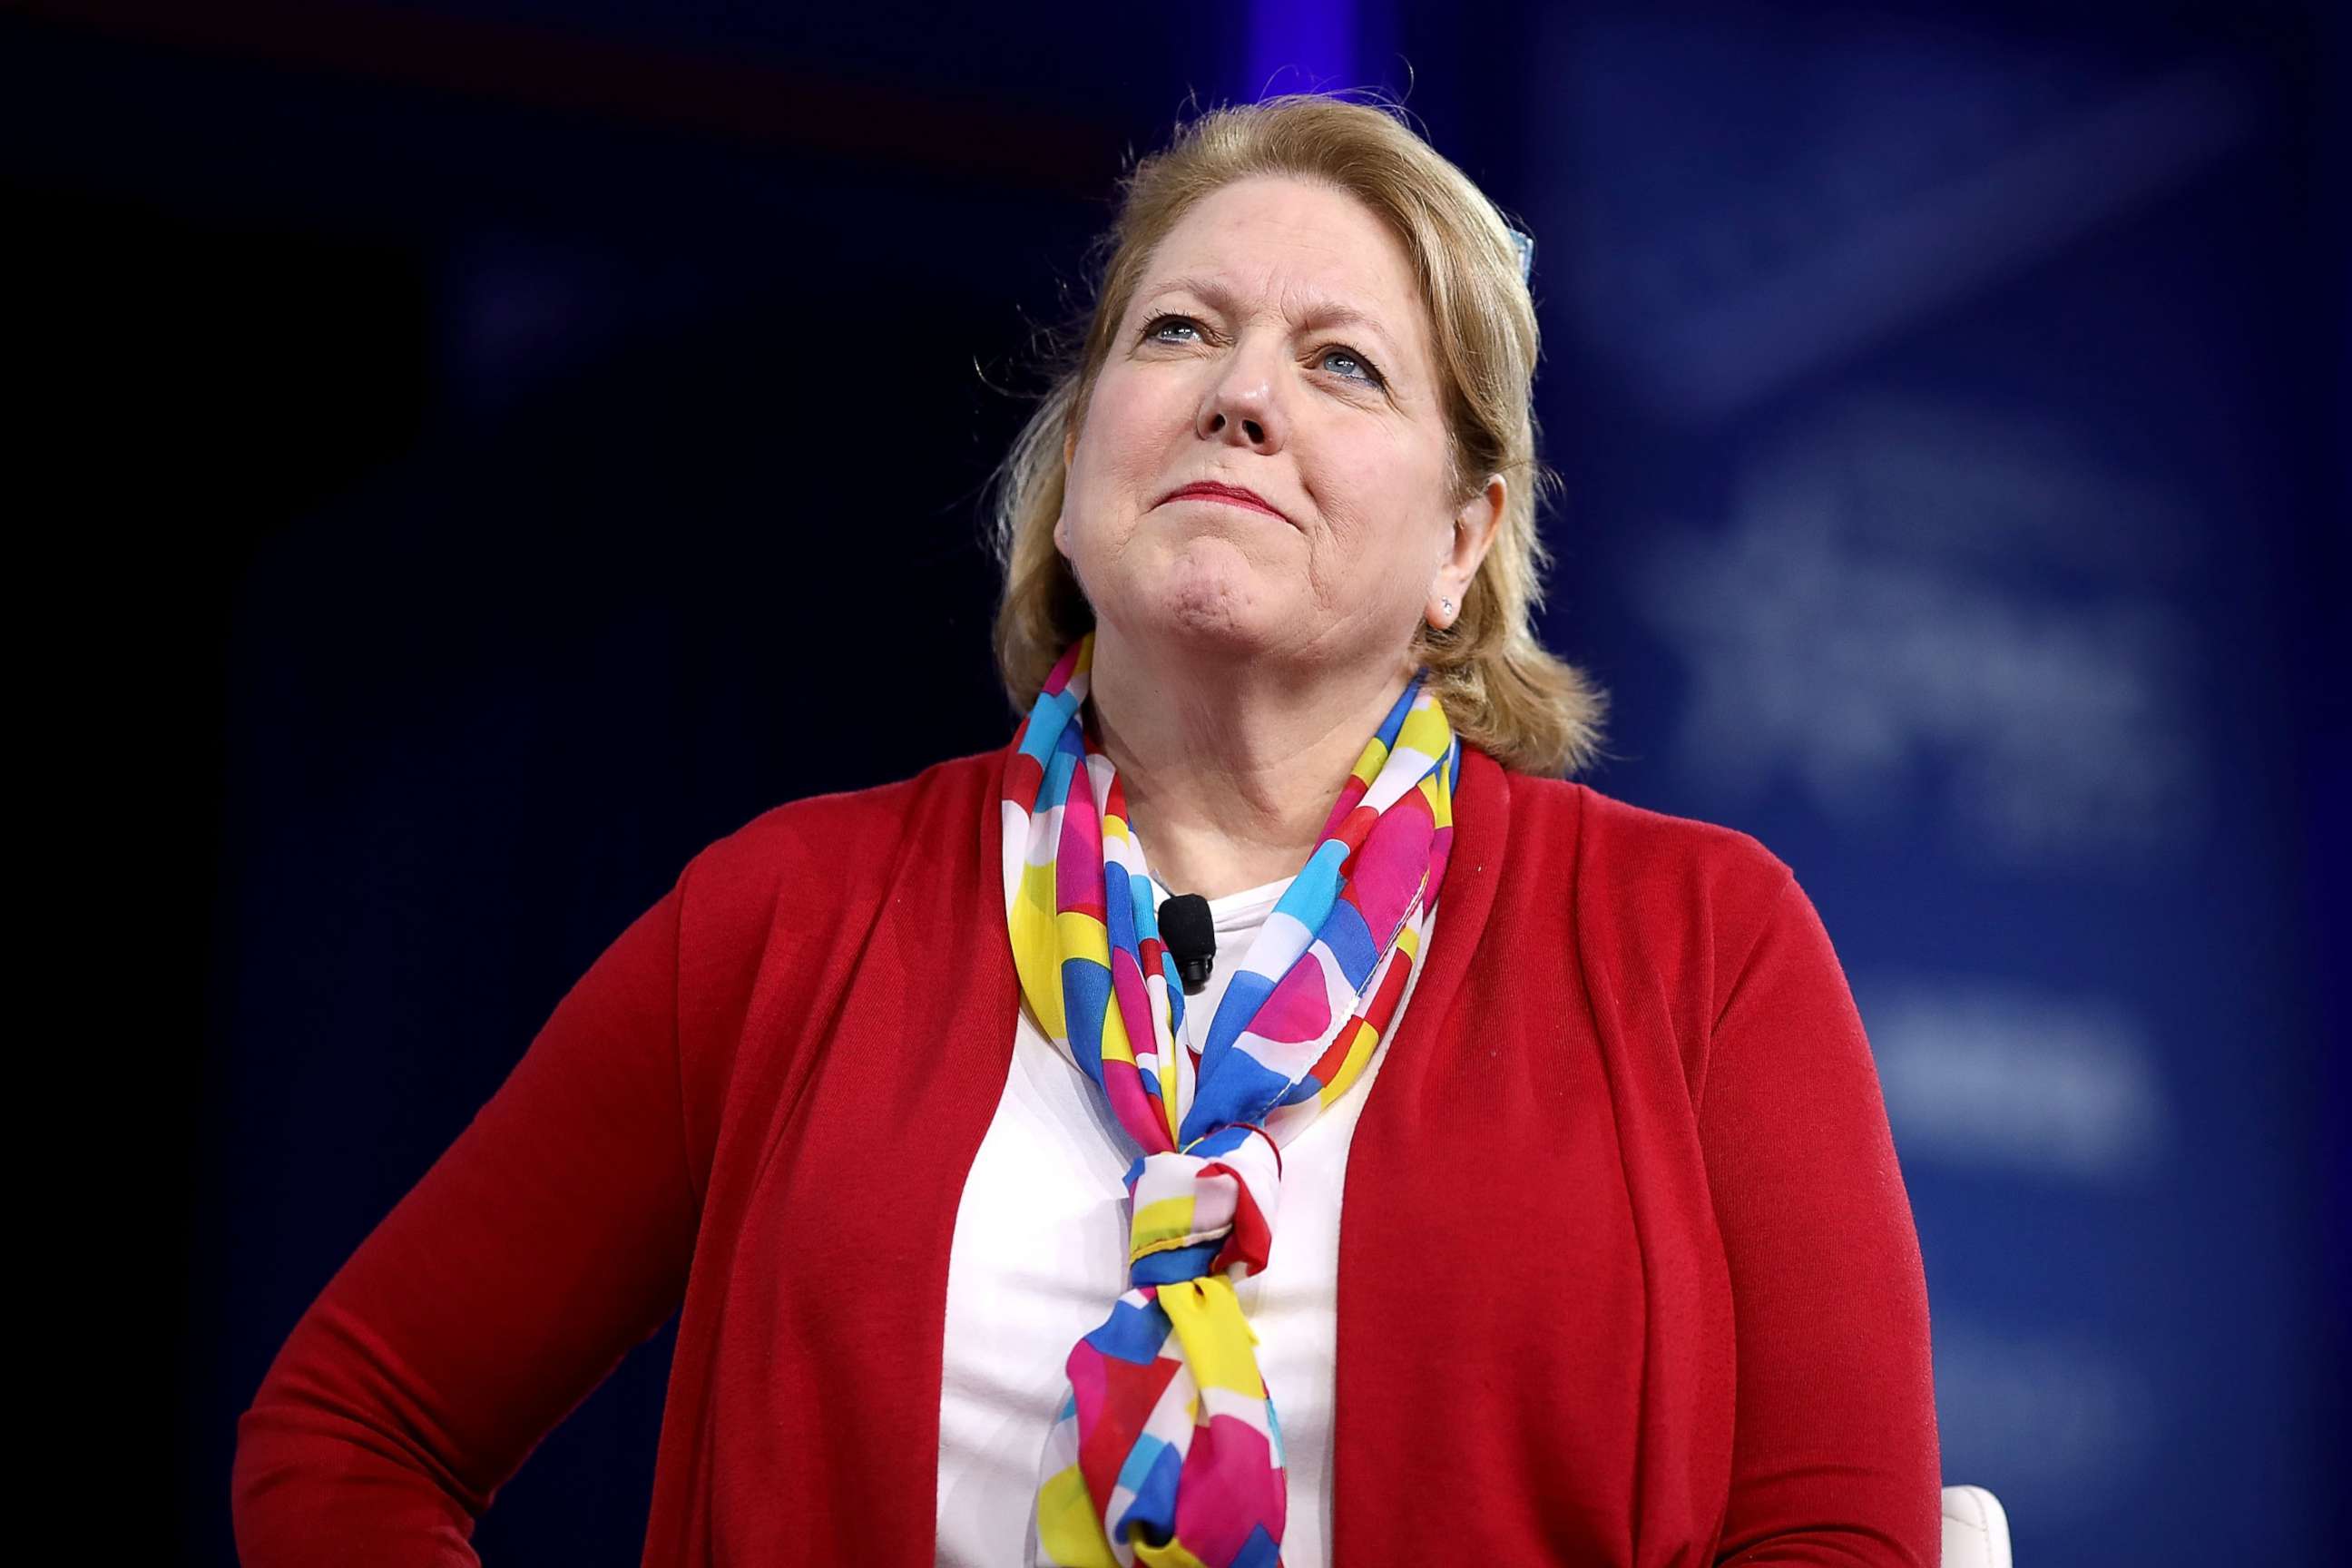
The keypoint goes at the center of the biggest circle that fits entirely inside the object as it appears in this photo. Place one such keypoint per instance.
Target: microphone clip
(1190, 934)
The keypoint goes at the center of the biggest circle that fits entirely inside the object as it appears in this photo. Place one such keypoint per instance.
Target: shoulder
(779, 907)
(1659, 904)
(1649, 859)
(840, 843)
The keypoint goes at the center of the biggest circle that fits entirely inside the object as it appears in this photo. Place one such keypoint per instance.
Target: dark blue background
(525, 424)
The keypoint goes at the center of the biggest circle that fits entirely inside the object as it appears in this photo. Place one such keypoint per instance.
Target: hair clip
(1525, 245)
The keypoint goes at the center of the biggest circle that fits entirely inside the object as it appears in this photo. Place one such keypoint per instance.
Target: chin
(1211, 613)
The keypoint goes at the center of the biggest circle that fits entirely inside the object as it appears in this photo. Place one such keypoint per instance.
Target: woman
(972, 1212)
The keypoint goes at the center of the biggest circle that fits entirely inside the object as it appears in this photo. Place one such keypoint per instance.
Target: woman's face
(1277, 344)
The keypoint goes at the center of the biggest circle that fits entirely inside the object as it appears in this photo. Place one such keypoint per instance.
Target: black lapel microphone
(1190, 935)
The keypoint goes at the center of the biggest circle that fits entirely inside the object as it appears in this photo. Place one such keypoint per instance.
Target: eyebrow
(1320, 312)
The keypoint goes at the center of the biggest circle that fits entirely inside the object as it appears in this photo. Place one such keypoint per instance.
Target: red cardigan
(1627, 1274)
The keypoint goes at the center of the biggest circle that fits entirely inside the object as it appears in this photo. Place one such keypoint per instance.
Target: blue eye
(1371, 376)
(1151, 328)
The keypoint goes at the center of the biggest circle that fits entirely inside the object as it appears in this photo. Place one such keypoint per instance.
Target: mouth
(1228, 495)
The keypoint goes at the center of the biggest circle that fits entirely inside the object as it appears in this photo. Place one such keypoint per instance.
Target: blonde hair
(1504, 693)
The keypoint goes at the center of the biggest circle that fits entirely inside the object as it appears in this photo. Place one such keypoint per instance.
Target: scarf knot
(1209, 1210)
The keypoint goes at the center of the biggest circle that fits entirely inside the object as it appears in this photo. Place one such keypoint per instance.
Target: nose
(1240, 409)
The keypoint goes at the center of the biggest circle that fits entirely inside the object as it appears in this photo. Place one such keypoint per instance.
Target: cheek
(1127, 406)
(1381, 507)
(1117, 456)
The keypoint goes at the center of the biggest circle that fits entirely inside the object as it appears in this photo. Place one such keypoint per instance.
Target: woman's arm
(549, 1239)
(1834, 1457)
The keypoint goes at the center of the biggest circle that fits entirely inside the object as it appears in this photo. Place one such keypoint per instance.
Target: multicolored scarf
(1167, 1451)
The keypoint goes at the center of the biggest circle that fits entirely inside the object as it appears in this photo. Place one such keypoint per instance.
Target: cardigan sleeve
(548, 1241)
(1834, 1447)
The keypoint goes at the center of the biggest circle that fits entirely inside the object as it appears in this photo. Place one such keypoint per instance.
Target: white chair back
(1976, 1531)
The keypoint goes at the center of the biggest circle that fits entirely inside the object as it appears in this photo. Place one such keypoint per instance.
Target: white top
(1040, 1254)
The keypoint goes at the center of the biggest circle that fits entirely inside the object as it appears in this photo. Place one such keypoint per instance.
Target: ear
(1475, 527)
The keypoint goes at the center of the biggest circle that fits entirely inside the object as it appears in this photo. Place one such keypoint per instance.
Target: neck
(1231, 770)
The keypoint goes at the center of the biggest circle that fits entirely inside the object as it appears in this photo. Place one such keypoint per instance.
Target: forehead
(1304, 250)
